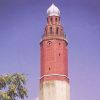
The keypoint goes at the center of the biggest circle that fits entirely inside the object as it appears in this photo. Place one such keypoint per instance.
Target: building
(54, 81)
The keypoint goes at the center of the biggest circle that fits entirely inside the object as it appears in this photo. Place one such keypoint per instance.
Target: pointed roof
(53, 11)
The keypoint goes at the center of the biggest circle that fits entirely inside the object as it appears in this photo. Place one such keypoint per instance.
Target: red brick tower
(54, 82)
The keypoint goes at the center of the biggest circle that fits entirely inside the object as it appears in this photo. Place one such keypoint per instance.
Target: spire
(53, 11)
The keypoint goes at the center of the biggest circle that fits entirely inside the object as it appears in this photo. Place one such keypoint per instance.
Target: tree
(12, 86)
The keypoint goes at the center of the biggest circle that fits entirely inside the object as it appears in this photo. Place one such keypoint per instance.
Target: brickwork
(54, 51)
(54, 57)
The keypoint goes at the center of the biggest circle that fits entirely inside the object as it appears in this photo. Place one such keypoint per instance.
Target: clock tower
(54, 81)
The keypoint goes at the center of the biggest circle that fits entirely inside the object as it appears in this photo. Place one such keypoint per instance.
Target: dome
(53, 11)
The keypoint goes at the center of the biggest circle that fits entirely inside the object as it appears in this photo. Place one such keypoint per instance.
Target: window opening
(56, 19)
(59, 54)
(49, 68)
(51, 19)
(57, 30)
(50, 29)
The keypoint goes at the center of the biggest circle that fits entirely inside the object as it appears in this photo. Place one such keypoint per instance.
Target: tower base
(54, 90)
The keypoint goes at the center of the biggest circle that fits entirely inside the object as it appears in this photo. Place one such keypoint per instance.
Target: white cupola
(53, 11)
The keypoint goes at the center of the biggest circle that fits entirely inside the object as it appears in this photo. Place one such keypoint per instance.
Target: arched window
(57, 29)
(51, 19)
(50, 30)
(56, 19)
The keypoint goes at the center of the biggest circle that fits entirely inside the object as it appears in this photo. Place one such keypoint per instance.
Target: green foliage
(12, 86)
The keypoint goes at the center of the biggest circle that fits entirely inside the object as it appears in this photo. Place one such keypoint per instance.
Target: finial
(53, 10)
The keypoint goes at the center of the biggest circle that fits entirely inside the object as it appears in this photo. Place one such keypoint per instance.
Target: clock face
(49, 43)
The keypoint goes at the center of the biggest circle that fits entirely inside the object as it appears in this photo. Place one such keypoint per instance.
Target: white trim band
(54, 75)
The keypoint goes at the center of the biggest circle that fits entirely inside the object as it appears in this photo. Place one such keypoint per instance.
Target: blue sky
(22, 23)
